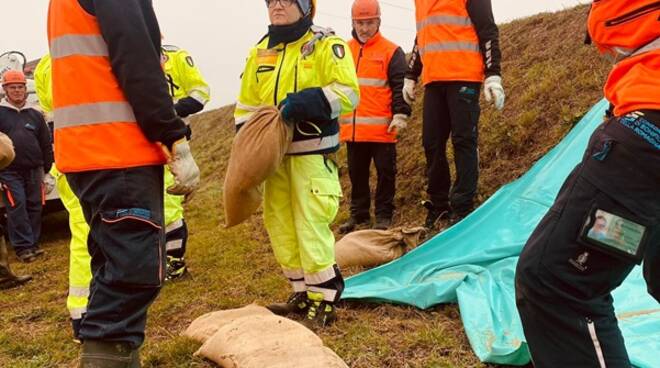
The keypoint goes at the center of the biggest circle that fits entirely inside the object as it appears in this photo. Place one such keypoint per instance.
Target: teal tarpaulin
(473, 264)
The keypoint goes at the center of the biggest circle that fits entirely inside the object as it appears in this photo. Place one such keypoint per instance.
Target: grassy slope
(551, 80)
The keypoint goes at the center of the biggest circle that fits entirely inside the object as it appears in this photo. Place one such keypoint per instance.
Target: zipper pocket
(633, 14)
(597, 345)
(264, 69)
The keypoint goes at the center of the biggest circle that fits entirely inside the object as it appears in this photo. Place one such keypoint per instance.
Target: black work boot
(352, 223)
(319, 315)
(382, 223)
(176, 268)
(8, 279)
(434, 214)
(105, 354)
(296, 304)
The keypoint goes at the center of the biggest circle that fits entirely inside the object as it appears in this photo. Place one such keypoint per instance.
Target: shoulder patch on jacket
(339, 50)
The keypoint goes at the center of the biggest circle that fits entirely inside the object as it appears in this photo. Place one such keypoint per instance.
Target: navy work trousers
(124, 209)
(452, 108)
(564, 285)
(360, 155)
(23, 197)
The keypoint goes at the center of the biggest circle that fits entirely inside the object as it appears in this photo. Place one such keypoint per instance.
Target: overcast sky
(219, 33)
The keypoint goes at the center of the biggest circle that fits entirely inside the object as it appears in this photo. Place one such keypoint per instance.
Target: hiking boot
(8, 280)
(38, 251)
(176, 268)
(434, 215)
(27, 256)
(382, 223)
(105, 354)
(296, 304)
(351, 224)
(320, 315)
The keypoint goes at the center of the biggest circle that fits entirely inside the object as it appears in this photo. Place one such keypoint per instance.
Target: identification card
(614, 234)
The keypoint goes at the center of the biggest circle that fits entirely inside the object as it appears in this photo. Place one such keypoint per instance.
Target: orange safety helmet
(13, 77)
(365, 9)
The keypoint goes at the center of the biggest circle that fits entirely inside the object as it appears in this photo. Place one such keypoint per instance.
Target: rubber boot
(102, 354)
(296, 304)
(7, 278)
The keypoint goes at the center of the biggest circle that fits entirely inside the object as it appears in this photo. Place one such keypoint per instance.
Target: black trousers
(563, 285)
(124, 209)
(360, 155)
(452, 108)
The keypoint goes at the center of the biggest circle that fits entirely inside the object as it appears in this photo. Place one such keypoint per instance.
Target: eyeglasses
(283, 3)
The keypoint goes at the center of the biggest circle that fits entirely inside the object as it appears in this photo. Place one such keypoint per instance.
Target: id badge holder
(619, 236)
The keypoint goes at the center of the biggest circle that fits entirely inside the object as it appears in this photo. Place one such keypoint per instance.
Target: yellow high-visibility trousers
(301, 200)
(80, 270)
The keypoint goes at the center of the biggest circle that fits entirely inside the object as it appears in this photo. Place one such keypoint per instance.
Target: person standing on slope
(111, 141)
(308, 72)
(370, 132)
(190, 93)
(566, 272)
(26, 181)
(457, 46)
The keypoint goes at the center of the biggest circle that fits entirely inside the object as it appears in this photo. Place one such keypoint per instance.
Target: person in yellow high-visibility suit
(190, 93)
(308, 72)
(80, 274)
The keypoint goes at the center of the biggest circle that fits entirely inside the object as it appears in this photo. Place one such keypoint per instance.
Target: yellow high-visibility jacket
(318, 59)
(183, 76)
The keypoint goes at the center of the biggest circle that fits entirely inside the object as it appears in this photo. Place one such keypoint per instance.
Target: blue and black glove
(307, 105)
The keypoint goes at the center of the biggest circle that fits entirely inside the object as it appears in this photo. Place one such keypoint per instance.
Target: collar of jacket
(290, 33)
(5, 103)
(376, 37)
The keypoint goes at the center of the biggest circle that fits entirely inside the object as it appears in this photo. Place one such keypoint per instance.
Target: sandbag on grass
(272, 341)
(205, 326)
(257, 151)
(370, 248)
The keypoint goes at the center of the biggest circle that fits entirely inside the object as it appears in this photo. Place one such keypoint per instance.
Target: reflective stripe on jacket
(271, 74)
(369, 122)
(629, 30)
(448, 42)
(95, 126)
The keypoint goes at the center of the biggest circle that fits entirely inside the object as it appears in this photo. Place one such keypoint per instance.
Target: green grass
(550, 79)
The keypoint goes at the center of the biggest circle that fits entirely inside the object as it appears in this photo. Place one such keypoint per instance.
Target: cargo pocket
(131, 240)
(324, 199)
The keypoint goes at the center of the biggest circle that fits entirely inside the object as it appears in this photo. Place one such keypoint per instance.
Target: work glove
(493, 90)
(409, 90)
(49, 183)
(399, 123)
(183, 168)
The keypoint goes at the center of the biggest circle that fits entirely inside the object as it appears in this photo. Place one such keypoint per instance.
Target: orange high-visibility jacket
(448, 42)
(629, 29)
(369, 122)
(95, 126)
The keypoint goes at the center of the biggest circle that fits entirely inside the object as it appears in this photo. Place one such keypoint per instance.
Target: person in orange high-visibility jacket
(111, 141)
(370, 132)
(566, 272)
(457, 46)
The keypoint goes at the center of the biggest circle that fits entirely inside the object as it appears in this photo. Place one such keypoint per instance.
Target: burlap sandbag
(7, 153)
(257, 151)
(370, 248)
(205, 326)
(268, 341)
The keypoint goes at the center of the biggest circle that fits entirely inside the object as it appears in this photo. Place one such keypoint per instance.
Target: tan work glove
(183, 168)
(399, 123)
(409, 90)
(493, 91)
